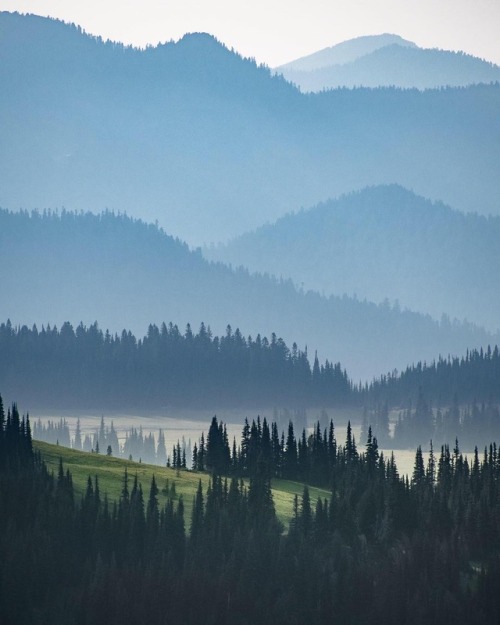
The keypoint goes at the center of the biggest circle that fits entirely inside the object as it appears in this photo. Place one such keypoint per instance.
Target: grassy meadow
(110, 472)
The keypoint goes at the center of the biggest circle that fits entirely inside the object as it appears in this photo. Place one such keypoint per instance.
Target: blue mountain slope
(399, 66)
(211, 145)
(126, 274)
(344, 52)
(384, 242)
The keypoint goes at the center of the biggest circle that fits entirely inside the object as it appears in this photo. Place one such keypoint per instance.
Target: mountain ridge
(384, 242)
(210, 144)
(400, 66)
(343, 52)
(127, 274)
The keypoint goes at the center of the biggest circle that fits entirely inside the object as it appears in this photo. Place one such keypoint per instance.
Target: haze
(277, 32)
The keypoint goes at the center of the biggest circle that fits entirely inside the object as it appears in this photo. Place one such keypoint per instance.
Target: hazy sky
(276, 31)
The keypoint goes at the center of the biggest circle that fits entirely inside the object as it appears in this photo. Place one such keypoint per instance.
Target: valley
(249, 313)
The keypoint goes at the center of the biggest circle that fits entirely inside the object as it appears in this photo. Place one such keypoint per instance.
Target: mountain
(383, 242)
(127, 274)
(387, 63)
(210, 145)
(344, 52)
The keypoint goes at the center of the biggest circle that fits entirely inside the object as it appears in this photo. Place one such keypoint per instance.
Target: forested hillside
(447, 399)
(211, 145)
(86, 368)
(383, 242)
(91, 561)
(462, 379)
(125, 274)
(227, 390)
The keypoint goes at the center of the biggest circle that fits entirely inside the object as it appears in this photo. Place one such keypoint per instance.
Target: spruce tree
(153, 512)
(290, 455)
(418, 476)
(198, 511)
(305, 518)
(78, 436)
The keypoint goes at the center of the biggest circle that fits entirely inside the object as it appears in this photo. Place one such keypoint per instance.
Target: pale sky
(277, 31)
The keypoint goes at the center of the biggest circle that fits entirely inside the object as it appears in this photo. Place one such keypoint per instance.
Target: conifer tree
(430, 474)
(198, 511)
(78, 436)
(153, 512)
(305, 519)
(195, 458)
(418, 475)
(125, 492)
(202, 454)
(290, 455)
(350, 445)
(161, 450)
(245, 444)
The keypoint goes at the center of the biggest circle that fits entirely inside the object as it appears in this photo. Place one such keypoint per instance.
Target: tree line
(311, 457)
(137, 445)
(87, 367)
(70, 559)
(460, 379)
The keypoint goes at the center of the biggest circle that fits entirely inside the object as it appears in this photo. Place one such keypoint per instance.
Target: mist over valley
(249, 317)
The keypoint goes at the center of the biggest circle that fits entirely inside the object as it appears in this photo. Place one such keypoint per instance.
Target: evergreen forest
(126, 273)
(419, 550)
(86, 368)
(254, 318)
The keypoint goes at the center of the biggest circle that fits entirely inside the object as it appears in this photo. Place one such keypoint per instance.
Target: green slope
(110, 472)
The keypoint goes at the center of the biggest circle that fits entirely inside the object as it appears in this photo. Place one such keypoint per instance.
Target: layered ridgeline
(386, 60)
(87, 369)
(84, 367)
(211, 145)
(383, 242)
(345, 52)
(126, 274)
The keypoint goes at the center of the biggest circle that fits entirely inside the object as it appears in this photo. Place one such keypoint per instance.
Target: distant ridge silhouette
(387, 60)
(211, 145)
(383, 242)
(344, 52)
(128, 274)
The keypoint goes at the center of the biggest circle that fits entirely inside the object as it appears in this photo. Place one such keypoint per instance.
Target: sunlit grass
(110, 472)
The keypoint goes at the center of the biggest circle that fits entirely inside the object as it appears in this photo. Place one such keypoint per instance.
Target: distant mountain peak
(346, 52)
(193, 135)
(382, 241)
(387, 61)
(199, 37)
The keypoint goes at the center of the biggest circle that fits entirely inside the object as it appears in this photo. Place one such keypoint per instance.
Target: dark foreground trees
(380, 549)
